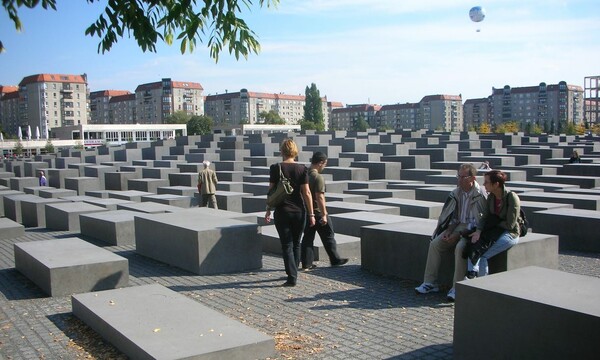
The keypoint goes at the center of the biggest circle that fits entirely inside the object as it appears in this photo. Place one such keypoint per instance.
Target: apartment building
(244, 107)
(441, 112)
(122, 109)
(100, 105)
(544, 105)
(477, 112)
(158, 100)
(347, 117)
(9, 108)
(53, 100)
(591, 85)
(398, 116)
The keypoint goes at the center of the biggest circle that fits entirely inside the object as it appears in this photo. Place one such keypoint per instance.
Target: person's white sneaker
(451, 295)
(426, 288)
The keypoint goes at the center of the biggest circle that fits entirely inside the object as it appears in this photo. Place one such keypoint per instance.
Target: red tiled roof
(60, 78)
(108, 93)
(122, 98)
(4, 89)
(442, 97)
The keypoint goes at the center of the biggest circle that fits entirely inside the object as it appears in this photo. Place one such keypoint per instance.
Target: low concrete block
(65, 266)
(181, 201)
(351, 223)
(169, 326)
(146, 185)
(577, 229)
(50, 193)
(413, 208)
(347, 246)
(33, 211)
(108, 204)
(10, 229)
(131, 195)
(82, 184)
(65, 216)
(112, 227)
(149, 208)
(12, 206)
(198, 242)
(530, 313)
(340, 207)
(20, 183)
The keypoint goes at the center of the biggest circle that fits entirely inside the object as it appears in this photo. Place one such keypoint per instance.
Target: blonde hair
(288, 148)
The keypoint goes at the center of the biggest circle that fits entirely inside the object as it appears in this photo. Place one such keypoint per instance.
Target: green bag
(282, 189)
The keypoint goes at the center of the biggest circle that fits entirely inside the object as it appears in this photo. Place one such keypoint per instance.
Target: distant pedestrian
(207, 186)
(575, 157)
(43, 180)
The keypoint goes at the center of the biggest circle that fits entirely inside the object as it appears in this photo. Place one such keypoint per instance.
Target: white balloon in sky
(477, 13)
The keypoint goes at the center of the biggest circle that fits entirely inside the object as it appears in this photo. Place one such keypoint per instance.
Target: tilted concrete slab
(149, 208)
(65, 266)
(154, 322)
(536, 313)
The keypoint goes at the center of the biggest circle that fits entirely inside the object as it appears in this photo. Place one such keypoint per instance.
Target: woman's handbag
(282, 189)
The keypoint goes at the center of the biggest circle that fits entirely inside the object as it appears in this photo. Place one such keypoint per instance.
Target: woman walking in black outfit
(291, 215)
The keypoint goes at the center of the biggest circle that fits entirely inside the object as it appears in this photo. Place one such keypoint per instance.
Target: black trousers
(327, 238)
(289, 226)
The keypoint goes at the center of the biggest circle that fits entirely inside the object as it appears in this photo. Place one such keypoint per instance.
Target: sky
(355, 51)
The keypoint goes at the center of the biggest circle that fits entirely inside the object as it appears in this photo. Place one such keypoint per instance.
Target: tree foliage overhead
(214, 22)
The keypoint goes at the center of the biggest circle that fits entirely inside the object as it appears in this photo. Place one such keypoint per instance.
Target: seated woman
(575, 158)
(498, 222)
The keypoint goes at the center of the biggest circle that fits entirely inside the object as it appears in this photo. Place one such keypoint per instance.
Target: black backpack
(523, 223)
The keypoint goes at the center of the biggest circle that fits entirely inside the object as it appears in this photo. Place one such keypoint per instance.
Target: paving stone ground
(333, 313)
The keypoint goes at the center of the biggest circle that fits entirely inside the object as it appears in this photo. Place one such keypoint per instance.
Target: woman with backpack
(502, 213)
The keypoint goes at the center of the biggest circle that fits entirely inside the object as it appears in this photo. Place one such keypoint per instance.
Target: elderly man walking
(207, 185)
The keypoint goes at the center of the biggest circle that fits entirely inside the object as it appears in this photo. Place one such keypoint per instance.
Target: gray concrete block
(112, 227)
(179, 190)
(181, 201)
(119, 180)
(413, 208)
(56, 177)
(10, 229)
(12, 206)
(49, 193)
(341, 207)
(146, 185)
(183, 179)
(585, 202)
(149, 208)
(577, 229)
(65, 216)
(65, 266)
(131, 195)
(198, 242)
(108, 204)
(31, 167)
(82, 184)
(531, 313)
(34, 190)
(380, 169)
(383, 193)
(20, 183)
(351, 223)
(169, 326)
(347, 246)
(33, 211)
(158, 173)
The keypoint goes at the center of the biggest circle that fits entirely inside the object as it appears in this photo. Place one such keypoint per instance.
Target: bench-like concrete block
(413, 208)
(112, 227)
(131, 195)
(146, 185)
(149, 208)
(65, 266)
(340, 207)
(181, 201)
(351, 223)
(169, 325)
(108, 204)
(10, 229)
(65, 216)
(530, 313)
(50, 193)
(198, 242)
(577, 229)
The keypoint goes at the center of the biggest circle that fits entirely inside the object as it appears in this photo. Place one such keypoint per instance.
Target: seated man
(463, 208)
